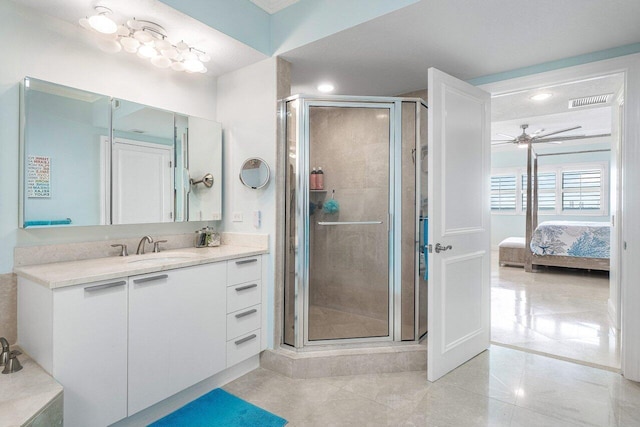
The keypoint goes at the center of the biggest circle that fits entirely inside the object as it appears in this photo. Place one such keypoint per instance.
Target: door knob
(440, 248)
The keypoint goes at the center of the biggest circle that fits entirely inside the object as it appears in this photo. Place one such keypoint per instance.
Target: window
(503, 193)
(578, 189)
(546, 191)
(582, 190)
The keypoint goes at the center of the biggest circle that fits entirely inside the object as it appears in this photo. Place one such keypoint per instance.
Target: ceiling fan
(539, 137)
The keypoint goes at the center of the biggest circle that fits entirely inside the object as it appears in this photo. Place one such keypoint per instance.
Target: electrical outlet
(216, 216)
(237, 217)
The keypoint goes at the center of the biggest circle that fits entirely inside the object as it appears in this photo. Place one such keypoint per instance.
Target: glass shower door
(348, 293)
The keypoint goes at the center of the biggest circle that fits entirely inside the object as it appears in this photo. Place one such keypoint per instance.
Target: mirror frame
(266, 181)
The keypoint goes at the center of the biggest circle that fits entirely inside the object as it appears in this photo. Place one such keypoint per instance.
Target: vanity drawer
(243, 321)
(243, 347)
(244, 269)
(243, 295)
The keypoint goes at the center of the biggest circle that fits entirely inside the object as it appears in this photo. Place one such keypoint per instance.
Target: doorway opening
(555, 204)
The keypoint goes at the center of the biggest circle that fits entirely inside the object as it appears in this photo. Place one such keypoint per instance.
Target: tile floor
(500, 387)
(326, 324)
(556, 311)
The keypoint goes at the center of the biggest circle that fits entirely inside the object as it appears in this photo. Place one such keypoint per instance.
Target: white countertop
(61, 274)
(25, 393)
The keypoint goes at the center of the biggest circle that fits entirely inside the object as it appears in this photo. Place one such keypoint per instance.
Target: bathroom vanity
(123, 333)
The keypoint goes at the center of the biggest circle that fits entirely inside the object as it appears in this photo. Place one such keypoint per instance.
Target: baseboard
(178, 400)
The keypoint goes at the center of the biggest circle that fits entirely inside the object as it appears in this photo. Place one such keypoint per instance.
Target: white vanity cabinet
(177, 331)
(79, 335)
(121, 345)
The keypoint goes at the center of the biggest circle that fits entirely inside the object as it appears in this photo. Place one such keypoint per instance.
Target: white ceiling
(466, 38)
(227, 53)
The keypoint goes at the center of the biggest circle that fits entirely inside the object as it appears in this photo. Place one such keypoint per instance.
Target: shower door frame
(303, 231)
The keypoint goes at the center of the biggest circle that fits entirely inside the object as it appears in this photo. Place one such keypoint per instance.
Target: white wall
(247, 109)
(61, 52)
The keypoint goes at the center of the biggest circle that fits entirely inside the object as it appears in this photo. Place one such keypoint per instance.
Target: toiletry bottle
(313, 180)
(320, 179)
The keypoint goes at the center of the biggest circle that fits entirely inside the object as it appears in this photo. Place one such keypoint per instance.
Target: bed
(576, 244)
(573, 244)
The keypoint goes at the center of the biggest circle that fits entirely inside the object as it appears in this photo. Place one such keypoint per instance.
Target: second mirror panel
(142, 164)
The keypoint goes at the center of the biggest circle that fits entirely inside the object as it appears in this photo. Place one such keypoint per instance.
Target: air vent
(588, 101)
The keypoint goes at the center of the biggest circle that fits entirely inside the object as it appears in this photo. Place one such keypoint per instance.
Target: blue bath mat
(219, 408)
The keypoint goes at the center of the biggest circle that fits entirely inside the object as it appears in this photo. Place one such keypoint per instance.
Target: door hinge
(170, 215)
(170, 163)
(430, 248)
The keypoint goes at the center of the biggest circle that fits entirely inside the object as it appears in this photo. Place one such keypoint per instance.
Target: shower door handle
(349, 223)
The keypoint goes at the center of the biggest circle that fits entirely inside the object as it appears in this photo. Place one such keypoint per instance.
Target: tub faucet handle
(4, 356)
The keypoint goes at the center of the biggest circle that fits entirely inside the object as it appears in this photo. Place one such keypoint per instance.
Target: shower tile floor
(499, 387)
(555, 311)
(327, 323)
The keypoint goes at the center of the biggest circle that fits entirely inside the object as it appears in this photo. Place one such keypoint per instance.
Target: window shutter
(503, 193)
(582, 190)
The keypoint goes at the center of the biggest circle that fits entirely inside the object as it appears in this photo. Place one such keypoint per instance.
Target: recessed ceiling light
(541, 96)
(325, 87)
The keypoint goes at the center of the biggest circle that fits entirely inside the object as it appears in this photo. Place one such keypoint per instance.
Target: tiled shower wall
(349, 263)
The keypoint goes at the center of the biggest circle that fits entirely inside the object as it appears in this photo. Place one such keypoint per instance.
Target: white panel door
(142, 186)
(459, 276)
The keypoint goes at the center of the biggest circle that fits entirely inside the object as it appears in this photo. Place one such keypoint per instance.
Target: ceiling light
(541, 96)
(325, 87)
(146, 39)
(101, 22)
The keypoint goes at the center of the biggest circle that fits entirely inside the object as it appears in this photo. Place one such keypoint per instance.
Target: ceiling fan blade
(537, 132)
(558, 131)
(501, 142)
(570, 138)
(513, 138)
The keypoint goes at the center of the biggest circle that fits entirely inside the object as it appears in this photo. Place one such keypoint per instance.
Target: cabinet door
(177, 331)
(90, 351)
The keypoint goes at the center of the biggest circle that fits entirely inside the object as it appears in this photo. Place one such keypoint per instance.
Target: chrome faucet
(4, 356)
(145, 239)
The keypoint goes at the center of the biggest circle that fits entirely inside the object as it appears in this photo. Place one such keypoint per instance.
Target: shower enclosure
(354, 266)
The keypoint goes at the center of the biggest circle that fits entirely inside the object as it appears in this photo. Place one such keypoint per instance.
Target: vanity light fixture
(325, 87)
(147, 40)
(541, 96)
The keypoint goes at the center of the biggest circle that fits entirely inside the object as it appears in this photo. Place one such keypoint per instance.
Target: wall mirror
(90, 159)
(254, 173)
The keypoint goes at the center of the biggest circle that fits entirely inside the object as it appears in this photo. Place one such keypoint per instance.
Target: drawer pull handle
(245, 339)
(246, 313)
(151, 279)
(105, 286)
(244, 288)
(247, 261)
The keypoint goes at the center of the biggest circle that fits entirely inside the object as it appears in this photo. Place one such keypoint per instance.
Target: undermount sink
(162, 259)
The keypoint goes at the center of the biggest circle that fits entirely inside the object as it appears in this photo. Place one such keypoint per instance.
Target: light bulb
(161, 61)
(130, 44)
(182, 46)
(177, 66)
(102, 24)
(170, 53)
(142, 36)
(147, 51)
(205, 57)
(541, 96)
(123, 31)
(203, 70)
(193, 65)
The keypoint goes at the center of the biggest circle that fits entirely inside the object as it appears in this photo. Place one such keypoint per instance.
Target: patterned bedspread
(572, 238)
